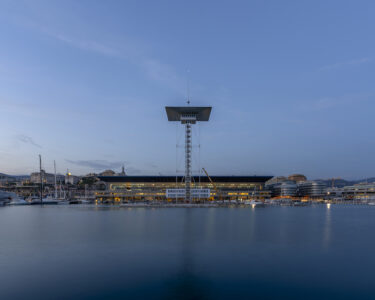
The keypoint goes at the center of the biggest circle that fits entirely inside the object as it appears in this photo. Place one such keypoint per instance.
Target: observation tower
(188, 116)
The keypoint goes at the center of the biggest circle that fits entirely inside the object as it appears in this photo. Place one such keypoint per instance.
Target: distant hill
(21, 177)
(2, 175)
(343, 182)
(15, 177)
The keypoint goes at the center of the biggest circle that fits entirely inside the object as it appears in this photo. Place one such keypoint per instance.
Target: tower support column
(188, 116)
(188, 149)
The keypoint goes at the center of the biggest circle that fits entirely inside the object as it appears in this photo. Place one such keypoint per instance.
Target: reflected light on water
(327, 227)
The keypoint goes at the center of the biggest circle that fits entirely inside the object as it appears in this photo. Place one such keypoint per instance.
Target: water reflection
(186, 284)
(327, 226)
(252, 222)
(216, 253)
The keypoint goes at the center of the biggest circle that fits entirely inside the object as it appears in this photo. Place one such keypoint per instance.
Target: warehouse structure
(122, 189)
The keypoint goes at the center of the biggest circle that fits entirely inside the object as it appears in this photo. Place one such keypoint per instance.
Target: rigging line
(196, 154)
(176, 156)
(179, 157)
(176, 152)
(199, 157)
(199, 152)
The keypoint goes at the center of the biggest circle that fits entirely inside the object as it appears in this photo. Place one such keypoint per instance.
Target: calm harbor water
(88, 252)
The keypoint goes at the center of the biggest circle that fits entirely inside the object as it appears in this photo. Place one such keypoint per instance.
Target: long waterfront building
(157, 188)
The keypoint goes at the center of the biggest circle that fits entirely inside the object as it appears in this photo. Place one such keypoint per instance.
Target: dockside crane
(213, 184)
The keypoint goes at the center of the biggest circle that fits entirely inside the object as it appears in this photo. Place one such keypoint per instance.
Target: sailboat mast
(54, 165)
(41, 179)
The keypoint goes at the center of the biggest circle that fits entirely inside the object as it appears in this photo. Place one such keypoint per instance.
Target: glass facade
(154, 188)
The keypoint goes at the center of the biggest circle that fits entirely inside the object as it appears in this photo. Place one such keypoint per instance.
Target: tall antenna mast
(188, 87)
(188, 116)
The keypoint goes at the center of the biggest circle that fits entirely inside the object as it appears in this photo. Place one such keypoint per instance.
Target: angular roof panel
(202, 112)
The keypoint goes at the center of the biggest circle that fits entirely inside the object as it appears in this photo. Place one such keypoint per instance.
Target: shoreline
(187, 205)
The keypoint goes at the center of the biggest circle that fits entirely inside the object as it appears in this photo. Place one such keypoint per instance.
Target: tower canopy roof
(202, 113)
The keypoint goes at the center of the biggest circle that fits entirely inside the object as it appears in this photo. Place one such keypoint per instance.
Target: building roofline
(216, 179)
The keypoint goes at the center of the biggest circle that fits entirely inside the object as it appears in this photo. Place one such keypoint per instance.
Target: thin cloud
(161, 72)
(86, 45)
(27, 140)
(154, 69)
(99, 164)
(326, 103)
(96, 164)
(129, 50)
(355, 62)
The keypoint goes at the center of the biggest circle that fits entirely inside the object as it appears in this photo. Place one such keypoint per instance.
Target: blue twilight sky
(291, 84)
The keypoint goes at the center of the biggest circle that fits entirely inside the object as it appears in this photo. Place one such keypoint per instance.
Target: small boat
(18, 201)
(75, 201)
(63, 201)
(46, 201)
(82, 200)
(285, 201)
(85, 201)
(371, 203)
(255, 203)
(6, 197)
